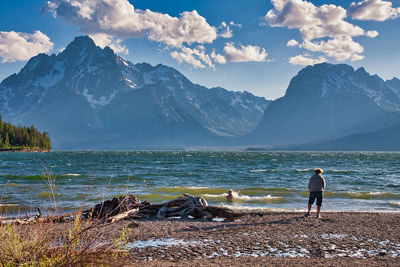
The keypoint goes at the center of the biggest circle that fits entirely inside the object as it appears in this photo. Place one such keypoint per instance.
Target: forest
(22, 138)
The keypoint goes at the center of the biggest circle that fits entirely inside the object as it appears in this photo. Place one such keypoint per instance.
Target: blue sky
(256, 45)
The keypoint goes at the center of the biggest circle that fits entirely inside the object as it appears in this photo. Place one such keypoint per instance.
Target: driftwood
(38, 218)
(129, 207)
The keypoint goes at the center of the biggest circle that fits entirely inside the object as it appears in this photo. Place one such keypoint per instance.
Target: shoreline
(259, 239)
(24, 149)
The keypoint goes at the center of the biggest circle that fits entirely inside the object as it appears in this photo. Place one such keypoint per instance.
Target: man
(229, 197)
(316, 185)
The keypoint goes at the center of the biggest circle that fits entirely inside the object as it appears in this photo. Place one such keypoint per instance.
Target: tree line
(14, 137)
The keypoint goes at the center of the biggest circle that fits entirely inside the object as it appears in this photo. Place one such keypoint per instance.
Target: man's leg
(311, 200)
(319, 203)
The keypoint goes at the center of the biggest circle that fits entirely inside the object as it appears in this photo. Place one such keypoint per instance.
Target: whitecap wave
(258, 170)
(244, 198)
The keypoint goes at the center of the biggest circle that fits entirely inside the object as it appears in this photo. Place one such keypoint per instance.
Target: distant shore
(24, 149)
(258, 239)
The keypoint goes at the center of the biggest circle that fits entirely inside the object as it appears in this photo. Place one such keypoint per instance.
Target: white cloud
(226, 29)
(104, 40)
(372, 34)
(196, 57)
(373, 10)
(109, 22)
(323, 29)
(218, 58)
(305, 60)
(227, 32)
(119, 18)
(292, 43)
(341, 48)
(22, 46)
(244, 53)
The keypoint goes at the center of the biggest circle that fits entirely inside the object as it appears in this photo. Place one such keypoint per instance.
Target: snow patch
(55, 75)
(130, 83)
(102, 101)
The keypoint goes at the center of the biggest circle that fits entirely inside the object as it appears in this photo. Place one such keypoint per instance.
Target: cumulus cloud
(119, 18)
(305, 60)
(22, 46)
(196, 57)
(218, 58)
(226, 29)
(109, 22)
(292, 43)
(323, 29)
(340, 48)
(104, 40)
(373, 10)
(244, 53)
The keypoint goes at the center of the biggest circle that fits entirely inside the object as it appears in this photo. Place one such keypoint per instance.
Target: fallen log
(129, 207)
(122, 216)
(39, 219)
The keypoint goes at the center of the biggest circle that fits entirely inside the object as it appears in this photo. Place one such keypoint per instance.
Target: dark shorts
(314, 195)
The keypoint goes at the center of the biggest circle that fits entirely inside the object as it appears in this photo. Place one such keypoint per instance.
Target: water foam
(245, 198)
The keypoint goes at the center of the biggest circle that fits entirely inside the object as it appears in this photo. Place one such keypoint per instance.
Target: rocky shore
(258, 239)
(361, 239)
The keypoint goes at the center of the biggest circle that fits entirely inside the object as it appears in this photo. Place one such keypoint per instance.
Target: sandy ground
(275, 238)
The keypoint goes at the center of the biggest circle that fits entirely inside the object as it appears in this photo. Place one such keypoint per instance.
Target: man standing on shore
(316, 185)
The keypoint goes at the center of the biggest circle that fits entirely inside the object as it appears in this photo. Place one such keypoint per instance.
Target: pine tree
(6, 142)
(17, 137)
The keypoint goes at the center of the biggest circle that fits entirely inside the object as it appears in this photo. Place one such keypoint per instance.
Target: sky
(255, 45)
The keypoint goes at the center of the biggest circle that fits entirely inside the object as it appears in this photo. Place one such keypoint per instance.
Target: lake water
(356, 181)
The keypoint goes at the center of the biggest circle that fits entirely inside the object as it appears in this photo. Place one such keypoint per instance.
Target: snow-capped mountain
(328, 101)
(88, 97)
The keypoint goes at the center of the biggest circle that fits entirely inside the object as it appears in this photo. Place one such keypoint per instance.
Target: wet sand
(260, 239)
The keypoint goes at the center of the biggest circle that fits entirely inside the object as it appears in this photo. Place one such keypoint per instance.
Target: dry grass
(79, 242)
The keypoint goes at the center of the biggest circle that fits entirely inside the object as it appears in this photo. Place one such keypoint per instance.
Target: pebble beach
(259, 239)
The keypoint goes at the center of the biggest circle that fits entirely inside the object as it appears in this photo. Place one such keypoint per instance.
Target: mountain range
(328, 102)
(91, 98)
(87, 97)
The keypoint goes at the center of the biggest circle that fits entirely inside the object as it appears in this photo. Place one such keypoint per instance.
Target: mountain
(90, 98)
(327, 101)
(387, 139)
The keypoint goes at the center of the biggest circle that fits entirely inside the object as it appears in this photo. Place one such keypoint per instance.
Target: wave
(41, 176)
(258, 170)
(395, 203)
(45, 195)
(192, 190)
(245, 198)
(363, 195)
(304, 170)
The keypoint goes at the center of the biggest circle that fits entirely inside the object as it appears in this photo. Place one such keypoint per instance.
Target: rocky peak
(79, 44)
